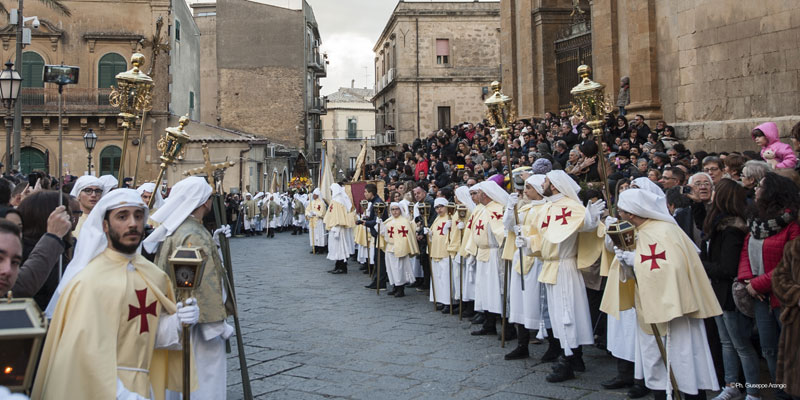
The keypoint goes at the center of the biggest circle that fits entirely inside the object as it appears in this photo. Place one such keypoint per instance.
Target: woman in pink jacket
(766, 136)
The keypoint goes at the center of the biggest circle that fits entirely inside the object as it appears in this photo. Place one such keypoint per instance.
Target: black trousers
(384, 277)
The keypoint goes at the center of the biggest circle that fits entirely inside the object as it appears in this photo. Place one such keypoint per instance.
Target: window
(109, 161)
(31, 159)
(177, 30)
(353, 163)
(442, 51)
(191, 100)
(32, 70)
(352, 128)
(109, 66)
(444, 117)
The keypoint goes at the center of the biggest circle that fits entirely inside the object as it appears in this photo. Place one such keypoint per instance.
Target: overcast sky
(349, 29)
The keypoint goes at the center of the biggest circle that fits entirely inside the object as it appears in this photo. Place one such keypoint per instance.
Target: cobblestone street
(313, 335)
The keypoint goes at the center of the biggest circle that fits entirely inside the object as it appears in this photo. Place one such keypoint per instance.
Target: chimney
(352, 83)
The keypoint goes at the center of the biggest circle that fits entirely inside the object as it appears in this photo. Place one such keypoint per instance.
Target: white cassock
(316, 236)
(567, 302)
(441, 280)
(528, 307)
(399, 269)
(350, 241)
(622, 334)
(470, 266)
(488, 281)
(365, 253)
(688, 355)
(337, 244)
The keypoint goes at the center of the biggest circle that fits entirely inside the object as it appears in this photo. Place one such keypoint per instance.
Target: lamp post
(90, 140)
(10, 82)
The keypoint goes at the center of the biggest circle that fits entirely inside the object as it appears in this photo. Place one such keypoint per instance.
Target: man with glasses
(88, 190)
(714, 167)
(671, 178)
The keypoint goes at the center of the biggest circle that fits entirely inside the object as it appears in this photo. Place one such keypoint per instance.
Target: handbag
(742, 299)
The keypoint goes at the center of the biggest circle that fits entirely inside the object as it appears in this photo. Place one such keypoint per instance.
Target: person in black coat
(371, 194)
(724, 232)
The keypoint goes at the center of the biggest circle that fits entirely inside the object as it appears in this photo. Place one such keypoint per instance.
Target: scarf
(764, 228)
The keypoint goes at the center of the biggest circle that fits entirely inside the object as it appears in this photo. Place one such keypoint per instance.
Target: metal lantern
(622, 233)
(589, 102)
(132, 96)
(363, 204)
(22, 330)
(462, 211)
(171, 146)
(10, 82)
(499, 108)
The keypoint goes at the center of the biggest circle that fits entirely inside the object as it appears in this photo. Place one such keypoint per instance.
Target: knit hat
(541, 166)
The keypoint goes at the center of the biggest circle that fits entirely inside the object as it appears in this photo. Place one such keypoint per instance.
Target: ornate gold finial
(584, 71)
(137, 61)
(183, 121)
(495, 86)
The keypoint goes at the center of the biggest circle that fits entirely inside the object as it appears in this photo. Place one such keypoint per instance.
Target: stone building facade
(714, 69)
(261, 67)
(99, 40)
(434, 62)
(349, 125)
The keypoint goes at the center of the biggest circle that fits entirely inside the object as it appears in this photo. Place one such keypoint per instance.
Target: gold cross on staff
(210, 169)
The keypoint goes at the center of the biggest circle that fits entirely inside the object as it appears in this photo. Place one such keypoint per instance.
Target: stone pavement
(313, 335)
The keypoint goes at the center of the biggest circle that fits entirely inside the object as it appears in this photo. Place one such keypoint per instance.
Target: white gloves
(448, 225)
(460, 225)
(596, 209)
(521, 242)
(224, 230)
(625, 257)
(626, 261)
(610, 220)
(335, 232)
(517, 230)
(426, 231)
(513, 199)
(188, 312)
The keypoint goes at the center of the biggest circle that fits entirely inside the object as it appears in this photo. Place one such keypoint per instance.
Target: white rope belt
(133, 369)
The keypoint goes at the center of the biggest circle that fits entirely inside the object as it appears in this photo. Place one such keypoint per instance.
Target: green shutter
(109, 160)
(177, 30)
(109, 66)
(191, 100)
(31, 159)
(32, 70)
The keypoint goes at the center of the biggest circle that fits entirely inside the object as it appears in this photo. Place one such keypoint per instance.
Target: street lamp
(90, 140)
(10, 82)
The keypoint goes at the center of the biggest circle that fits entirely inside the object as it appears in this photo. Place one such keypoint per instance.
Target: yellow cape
(92, 333)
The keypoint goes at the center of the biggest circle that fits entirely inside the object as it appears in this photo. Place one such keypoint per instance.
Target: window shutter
(442, 47)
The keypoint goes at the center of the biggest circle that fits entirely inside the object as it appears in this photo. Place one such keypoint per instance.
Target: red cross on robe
(469, 225)
(479, 226)
(141, 311)
(441, 229)
(497, 215)
(653, 257)
(331, 209)
(546, 222)
(390, 231)
(319, 208)
(564, 215)
(403, 230)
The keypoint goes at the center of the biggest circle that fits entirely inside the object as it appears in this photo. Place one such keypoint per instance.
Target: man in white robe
(181, 224)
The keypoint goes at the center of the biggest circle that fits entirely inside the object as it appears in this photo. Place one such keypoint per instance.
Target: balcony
(386, 138)
(319, 105)
(37, 100)
(319, 64)
(386, 80)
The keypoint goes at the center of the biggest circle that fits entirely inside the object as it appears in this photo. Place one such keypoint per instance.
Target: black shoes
(401, 291)
(519, 353)
(553, 349)
(617, 382)
(638, 390)
(478, 319)
(447, 307)
(562, 371)
(341, 268)
(339, 271)
(393, 292)
(439, 306)
(511, 333)
(484, 332)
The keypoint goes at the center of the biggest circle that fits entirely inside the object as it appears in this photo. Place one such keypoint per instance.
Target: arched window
(109, 160)
(109, 66)
(31, 159)
(32, 69)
